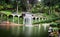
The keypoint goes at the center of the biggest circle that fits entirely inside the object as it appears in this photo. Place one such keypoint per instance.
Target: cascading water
(27, 19)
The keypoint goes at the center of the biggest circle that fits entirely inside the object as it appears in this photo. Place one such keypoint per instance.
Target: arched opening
(4, 17)
(10, 18)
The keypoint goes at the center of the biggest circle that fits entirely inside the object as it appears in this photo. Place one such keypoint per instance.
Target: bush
(48, 21)
(1, 7)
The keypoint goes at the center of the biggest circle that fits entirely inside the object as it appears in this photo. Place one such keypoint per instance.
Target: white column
(36, 19)
(39, 19)
(13, 18)
(42, 19)
(23, 20)
(18, 18)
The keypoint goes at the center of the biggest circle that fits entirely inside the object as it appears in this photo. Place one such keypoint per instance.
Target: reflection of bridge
(8, 25)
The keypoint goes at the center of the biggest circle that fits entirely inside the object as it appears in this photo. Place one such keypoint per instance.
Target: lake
(24, 31)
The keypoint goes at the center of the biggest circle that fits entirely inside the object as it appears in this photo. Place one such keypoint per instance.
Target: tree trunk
(28, 8)
(17, 8)
(49, 11)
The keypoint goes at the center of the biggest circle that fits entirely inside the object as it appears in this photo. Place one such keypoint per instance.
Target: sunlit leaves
(1, 7)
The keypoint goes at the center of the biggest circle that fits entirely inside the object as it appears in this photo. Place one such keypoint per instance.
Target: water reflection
(26, 31)
(15, 30)
(45, 26)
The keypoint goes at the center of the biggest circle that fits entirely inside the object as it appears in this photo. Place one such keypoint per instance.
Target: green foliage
(7, 12)
(9, 6)
(41, 7)
(1, 7)
(50, 2)
(53, 24)
(37, 8)
(16, 20)
(48, 21)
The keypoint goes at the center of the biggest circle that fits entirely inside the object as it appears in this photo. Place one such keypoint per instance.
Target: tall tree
(50, 3)
(15, 4)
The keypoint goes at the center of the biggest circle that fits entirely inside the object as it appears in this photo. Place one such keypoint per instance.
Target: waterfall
(27, 20)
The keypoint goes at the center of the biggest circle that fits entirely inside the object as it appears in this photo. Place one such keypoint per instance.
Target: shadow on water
(21, 31)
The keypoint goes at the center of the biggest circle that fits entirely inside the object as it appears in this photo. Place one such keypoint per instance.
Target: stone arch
(37, 18)
(10, 16)
(33, 18)
(4, 17)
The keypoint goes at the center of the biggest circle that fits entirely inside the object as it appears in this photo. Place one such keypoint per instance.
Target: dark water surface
(24, 32)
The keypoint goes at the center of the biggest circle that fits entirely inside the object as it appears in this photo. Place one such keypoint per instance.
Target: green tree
(38, 8)
(50, 4)
(15, 3)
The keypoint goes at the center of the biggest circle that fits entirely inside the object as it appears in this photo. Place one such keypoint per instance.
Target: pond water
(24, 31)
